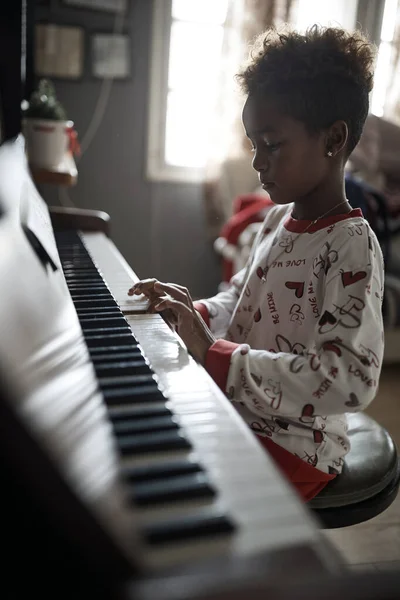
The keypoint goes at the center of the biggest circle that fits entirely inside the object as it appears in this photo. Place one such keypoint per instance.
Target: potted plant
(48, 133)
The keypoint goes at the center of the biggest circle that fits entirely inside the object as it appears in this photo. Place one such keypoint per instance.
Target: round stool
(369, 481)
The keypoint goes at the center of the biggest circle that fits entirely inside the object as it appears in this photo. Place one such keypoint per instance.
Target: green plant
(43, 103)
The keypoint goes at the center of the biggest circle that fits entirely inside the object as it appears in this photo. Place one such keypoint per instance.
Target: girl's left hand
(178, 304)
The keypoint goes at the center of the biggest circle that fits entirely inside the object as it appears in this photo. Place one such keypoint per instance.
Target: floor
(375, 545)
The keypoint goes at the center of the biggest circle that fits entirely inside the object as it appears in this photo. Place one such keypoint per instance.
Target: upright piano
(126, 470)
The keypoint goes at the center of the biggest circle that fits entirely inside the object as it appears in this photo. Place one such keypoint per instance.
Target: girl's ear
(336, 138)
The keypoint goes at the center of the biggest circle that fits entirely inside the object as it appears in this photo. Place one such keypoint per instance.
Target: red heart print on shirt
(308, 410)
(327, 317)
(257, 316)
(257, 379)
(318, 437)
(298, 286)
(348, 278)
(282, 424)
(353, 402)
(332, 347)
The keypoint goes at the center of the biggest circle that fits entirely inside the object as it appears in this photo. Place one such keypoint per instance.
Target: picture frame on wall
(115, 6)
(59, 51)
(110, 55)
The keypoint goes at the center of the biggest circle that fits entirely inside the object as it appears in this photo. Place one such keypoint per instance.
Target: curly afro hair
(318, 78)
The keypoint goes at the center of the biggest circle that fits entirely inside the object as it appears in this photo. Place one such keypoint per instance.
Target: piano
(127, 466)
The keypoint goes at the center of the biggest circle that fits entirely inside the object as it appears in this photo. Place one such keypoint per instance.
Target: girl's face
(291, 162)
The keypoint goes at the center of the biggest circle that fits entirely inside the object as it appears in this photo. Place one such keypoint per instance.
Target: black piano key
(187, 487)
(82, 285)
(109, 357)
(162, 470)
(135, 394)
(126, 381)
(122, 339)
(131, 426)
(100, 311)
(110, 332)
(76, 295)
(119, 413)
(102, 302)
(81, 272)
(89, 291)
(88, 296)
(76, 277)
(89, 280)
(106, 331)
(82, 262)
(90, 323)
(159, 441)
(107, 312)
(104, 351)
(208, 523)
(122, 369)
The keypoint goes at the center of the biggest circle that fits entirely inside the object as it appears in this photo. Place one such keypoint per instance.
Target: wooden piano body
(124, 466)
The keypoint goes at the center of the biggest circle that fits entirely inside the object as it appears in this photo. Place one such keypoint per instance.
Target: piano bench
(369, 481)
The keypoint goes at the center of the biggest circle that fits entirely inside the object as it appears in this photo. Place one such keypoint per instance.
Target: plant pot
(47, 141)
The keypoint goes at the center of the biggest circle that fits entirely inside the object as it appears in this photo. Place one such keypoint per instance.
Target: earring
(329, 153)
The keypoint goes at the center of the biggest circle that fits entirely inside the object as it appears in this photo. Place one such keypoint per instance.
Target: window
(386, 53)
(336, 13)
(186, 59)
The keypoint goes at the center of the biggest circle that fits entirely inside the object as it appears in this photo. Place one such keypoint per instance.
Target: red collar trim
(299, 226)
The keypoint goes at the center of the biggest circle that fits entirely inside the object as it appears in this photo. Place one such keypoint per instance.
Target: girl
(297, 340)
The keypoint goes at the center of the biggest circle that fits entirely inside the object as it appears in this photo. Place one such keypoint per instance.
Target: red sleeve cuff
(218, 361)
(202, 309)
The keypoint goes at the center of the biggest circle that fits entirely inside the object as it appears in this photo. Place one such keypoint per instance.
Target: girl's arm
(217, 311)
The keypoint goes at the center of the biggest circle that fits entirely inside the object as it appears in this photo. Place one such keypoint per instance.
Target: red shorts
(306, 479)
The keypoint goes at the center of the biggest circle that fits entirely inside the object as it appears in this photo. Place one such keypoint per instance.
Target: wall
(160, 228)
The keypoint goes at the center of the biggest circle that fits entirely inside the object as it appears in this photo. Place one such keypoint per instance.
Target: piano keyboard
(195, 475)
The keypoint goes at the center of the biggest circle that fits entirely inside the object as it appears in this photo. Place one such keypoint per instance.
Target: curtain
(229, 171)
(391, 110)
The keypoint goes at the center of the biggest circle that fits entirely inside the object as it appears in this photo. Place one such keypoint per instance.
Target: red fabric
(249, 214)
(247, 209)
(202, 309)
(245, 200)
(306, 479)
(298, 226)
(218, 361)
(74, 146)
